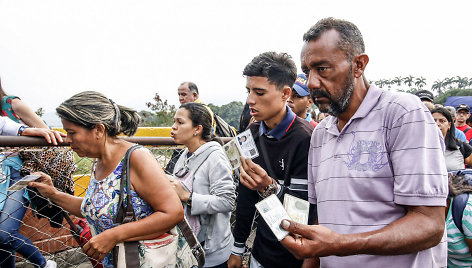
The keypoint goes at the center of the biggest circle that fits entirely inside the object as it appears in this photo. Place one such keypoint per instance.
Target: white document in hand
(273, 212)
(23, 182)
(241, 145)
(232, 152)
(297, 208)
(247, 145)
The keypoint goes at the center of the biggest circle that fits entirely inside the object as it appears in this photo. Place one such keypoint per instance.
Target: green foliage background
(441, 88)
(161, 113)
(229, 112)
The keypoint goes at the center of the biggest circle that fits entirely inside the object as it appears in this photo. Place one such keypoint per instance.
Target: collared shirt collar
(368, 103)
(279, 131)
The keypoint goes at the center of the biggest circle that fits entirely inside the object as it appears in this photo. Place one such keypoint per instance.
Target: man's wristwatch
(21, 130)
(189, 200)
(269, 189)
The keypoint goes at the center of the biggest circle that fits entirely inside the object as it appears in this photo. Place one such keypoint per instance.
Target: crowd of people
(373, 165)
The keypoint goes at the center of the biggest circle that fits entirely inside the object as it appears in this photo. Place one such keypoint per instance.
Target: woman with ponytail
(92, 122)
(202, 179)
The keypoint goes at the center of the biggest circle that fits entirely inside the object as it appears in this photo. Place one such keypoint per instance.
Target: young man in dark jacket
(283, 141)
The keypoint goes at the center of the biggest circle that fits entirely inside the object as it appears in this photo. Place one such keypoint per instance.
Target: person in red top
(300, 100)
(463, 113)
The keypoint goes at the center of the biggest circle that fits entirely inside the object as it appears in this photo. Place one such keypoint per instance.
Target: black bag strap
(266, 158)
(73, 228)
(125, 214)
(271, 174)
(269, 166)
(467, 129)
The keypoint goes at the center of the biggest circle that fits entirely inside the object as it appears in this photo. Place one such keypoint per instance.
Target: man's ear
(286, 93)
(360, 62)
(195, 95)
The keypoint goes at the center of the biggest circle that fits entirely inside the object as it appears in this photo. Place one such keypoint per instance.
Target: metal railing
(59, 243)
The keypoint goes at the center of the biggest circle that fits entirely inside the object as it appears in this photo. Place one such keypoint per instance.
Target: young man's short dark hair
(278, 68)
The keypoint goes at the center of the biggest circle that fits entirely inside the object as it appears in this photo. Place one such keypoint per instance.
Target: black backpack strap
(458, 205)
(467, 129)
(266, 157)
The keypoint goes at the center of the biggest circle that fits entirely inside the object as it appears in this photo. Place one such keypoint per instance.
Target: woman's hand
(51, 136)
(44, 185)
(179, 189)
(100, 245)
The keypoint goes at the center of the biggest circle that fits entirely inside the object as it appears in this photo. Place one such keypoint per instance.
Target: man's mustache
(316, 93)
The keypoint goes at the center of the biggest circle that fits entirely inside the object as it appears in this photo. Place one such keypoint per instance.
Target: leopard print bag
(57, 162)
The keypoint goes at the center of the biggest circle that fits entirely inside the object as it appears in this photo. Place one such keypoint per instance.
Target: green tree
(397, 80)
(408, 80)
(438, 86)
(40, 112)
(462, 82)
(161, 114)
(380, 83)
(229, 112)
(420, 82)
(449, 82)
(441, 99)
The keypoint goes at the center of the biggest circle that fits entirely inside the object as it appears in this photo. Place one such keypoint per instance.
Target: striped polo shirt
(389, 155)
(458, 253)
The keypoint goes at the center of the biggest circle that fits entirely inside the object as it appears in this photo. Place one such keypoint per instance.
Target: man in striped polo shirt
(376, 170)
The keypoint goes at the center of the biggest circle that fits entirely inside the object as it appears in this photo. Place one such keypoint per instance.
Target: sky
(130, 50)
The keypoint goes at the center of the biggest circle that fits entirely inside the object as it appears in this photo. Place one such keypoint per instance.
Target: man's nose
(313, 82)
(250, 99)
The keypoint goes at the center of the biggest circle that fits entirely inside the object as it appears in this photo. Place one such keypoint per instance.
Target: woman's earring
(195, 134)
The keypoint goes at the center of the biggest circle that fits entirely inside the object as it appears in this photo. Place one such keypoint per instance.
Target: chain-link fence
(34, 230)
(30, 225)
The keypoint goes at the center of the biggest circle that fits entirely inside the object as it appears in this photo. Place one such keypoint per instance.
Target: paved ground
(73, 258)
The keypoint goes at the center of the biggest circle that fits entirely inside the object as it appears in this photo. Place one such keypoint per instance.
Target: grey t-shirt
(454, 160)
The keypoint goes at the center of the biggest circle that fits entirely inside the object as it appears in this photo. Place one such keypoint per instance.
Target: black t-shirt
(465, 148)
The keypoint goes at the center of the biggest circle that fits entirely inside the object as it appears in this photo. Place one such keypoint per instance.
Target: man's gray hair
(191, 86)
(351, 41)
